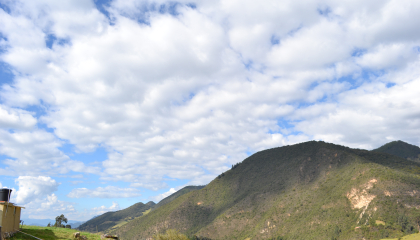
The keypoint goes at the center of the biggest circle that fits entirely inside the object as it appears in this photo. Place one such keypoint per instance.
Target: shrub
(171, 234)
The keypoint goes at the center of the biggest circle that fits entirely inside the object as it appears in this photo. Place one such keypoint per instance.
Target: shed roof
(10, 204)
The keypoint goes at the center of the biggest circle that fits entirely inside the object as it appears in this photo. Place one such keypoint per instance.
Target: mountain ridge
(277, 192)
(401, 149)
(110, 219)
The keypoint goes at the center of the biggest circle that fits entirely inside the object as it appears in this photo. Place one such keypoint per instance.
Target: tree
(68, 226)
(49, 225)
(59, 220)
(403, 222)
(418, 222)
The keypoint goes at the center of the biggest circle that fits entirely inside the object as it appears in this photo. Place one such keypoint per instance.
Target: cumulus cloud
(32, 188)
(185, 92)
(35, 153)
(50, 207)
(102, 209)
(387, 114)
(166, 194)
(11, 118)
(104, 192)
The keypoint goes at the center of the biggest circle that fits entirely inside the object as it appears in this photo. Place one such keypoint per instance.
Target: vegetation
(170, 234)
(110, 219)
(312, 190)
(50, 233)
(400, 149)
(408, 237)
(59, 221)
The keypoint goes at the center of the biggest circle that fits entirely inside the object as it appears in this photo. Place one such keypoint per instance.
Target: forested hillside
(312, 190)
(401, 149)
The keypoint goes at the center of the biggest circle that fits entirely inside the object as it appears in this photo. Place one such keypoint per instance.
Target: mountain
(44, 222)
(111, 219)
(37, 222)
(401, 149)
(312, 190)
(75, 224)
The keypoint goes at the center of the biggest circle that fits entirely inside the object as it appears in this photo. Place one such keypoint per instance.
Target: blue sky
(107, 103)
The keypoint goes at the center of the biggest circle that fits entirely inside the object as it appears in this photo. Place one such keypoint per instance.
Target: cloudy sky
(107, 103)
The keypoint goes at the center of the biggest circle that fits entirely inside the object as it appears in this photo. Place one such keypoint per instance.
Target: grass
(119, 224)
(415, 236)
(51, 233)
(146, 212)
(126, 221)
(379, 222)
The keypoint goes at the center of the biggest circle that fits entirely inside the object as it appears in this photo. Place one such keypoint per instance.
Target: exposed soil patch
(360, 198)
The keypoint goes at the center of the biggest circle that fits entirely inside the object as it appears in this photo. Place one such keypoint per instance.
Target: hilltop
(312, 190)
(401, 149)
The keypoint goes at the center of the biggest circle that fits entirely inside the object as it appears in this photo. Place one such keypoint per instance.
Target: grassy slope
(400, 149)
(296, 191)
(110, 219)
(51, 233)
(415, 236)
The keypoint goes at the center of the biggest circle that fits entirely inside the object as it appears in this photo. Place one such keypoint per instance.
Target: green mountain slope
(312, 190)
(110, 219)
(400, 149)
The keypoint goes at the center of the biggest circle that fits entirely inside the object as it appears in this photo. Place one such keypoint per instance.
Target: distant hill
(312, 190)
(44, 222)
(401, 149)
(37, 222)
(110, 219)
(75, 224)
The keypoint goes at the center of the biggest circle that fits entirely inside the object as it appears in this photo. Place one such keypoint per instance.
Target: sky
(107, 103)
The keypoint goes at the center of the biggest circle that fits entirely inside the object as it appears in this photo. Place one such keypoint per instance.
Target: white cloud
(104, 192)
(16, 119)
(35, 153)
(386, 56)
(367, 117)
(186, 96)
(48, 207)
(102, 209)
(165, 194)
(32, 188)
(87, 214)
